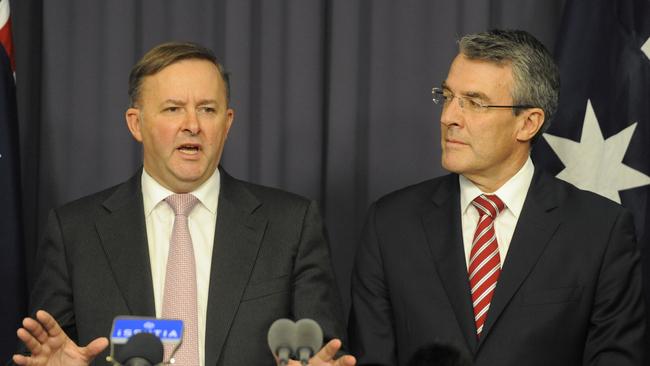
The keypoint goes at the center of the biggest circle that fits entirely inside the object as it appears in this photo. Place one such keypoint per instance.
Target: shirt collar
(153, 193)
(512, 193)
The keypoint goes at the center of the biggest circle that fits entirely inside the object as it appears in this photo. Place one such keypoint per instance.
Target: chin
(188, 178)
(452, 166)
(190, 171)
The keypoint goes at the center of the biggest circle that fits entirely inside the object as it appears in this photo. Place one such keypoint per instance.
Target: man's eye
(207, 109)
(172, 109)
(447, 97)
(473, 103)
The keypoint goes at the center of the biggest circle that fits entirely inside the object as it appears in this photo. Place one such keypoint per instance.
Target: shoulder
(275, 196)
(579, 210)
(104, 201)
(579, 201)
(273, 202)
(419, 193)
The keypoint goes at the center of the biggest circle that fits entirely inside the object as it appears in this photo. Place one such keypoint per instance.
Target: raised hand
(49, 345)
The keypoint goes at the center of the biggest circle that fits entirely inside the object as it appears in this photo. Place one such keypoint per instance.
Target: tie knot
(490, 205)
(182, 204)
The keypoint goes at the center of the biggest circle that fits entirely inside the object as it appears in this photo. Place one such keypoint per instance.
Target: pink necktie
(485, 262)
(179, 300)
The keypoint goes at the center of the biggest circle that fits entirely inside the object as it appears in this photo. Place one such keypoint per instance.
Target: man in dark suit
(498, 258)
(251, 254)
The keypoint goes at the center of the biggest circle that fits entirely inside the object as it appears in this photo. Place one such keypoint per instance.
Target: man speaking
(181, 238)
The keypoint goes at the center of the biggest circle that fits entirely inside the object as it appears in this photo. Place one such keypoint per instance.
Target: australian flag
(600, 139)
(12, 280)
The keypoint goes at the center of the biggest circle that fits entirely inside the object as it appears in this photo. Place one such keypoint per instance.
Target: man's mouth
(452, 141)
(189, 148)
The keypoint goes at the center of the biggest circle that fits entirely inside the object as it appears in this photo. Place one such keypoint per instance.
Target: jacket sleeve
(315, 294)
(52, 290)
(617, 329)
(371, 322)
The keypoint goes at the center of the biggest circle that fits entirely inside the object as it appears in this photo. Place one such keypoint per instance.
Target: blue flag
(12, 279)
(600, 139)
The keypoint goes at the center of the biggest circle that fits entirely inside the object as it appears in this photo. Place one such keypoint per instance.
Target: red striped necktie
(485, 262)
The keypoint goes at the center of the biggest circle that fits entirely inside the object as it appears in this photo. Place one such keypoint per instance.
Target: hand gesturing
(49, 345)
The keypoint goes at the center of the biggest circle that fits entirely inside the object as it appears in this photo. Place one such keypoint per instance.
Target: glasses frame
(439, 92)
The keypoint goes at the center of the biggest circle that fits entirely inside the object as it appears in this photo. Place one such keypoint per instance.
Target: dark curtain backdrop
(332, 97)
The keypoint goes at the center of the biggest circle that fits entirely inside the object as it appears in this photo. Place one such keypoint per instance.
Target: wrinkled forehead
(185, 78)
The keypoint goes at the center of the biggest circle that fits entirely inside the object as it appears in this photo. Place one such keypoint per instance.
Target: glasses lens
(438, 96)
(475, 106)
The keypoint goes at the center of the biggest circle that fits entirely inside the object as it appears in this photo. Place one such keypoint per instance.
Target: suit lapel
(238, 234)
(123, 235)
(535, 227)
(443, 229)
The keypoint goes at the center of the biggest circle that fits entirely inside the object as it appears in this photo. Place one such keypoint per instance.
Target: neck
(491, 182)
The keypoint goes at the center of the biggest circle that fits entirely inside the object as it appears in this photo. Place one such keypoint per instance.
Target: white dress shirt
(159, 218)
(512, 193)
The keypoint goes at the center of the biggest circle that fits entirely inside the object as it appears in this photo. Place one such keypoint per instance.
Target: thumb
(96, 347)
(328, 352)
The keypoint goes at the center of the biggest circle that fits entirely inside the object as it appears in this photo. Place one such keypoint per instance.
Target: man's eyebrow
(207, 101)
(173, 101)
(477, 95)
(469, 94)
(182, 102)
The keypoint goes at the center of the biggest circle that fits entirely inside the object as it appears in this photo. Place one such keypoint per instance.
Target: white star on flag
(646, 48)
(595, 164)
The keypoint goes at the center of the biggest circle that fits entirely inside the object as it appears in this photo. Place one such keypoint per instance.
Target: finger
(346, 361)
(95, 347)
(32, 344)
(49, 323)
(21, 360)
(35, 329)
(328, 352)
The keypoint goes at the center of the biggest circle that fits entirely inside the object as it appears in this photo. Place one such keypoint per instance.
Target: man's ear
(533, 120)
(133, 122)
(230, 117)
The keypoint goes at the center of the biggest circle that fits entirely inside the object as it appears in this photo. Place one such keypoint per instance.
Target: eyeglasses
(444, 97)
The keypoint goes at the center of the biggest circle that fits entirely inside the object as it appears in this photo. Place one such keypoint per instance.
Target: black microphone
(440, 354)
(282, 339)
(309, 339)
(142, 349)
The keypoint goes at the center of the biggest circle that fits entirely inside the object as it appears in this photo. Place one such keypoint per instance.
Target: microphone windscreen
(282, 333)
(309, 334)
(143, 345)
(440, 354)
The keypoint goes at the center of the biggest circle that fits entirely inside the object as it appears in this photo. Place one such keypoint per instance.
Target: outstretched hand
(326, 356)
(50, 346)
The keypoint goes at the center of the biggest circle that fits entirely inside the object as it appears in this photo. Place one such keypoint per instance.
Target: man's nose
(191, 122)
(452, 112)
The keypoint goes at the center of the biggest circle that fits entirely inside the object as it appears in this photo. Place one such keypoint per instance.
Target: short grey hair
(536, 76)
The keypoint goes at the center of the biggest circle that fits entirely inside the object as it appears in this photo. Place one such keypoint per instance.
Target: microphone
(282, 339)
(440, 354)
(139, 341)
(142, 349)
(309, 339)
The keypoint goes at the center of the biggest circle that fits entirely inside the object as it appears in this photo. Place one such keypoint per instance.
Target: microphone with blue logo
(138, 341)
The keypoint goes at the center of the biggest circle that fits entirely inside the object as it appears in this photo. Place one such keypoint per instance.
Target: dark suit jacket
(270, 260)
(569, 291)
